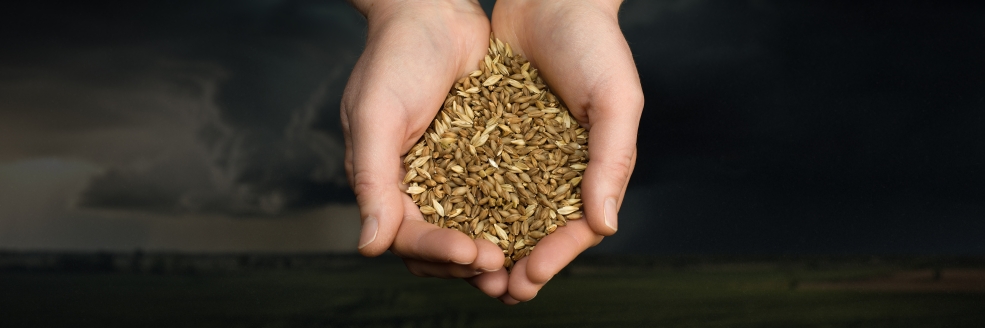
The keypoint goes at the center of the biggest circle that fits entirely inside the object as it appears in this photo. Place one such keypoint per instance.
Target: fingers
(520, 287)
(439, 270)
(417, 239)
(485, 273)
(555, 251)
(493, 283)
(376, 168)
(490, 257)
(552, 254)
(424, 241)
(506, 299)
(604, 184)
(614, 116)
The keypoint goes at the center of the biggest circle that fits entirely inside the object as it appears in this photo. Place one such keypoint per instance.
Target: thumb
(376, 177)
(612, 151)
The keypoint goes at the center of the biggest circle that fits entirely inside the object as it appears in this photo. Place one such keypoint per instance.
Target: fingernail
(370, 228)
(610, 212)
(460, 263)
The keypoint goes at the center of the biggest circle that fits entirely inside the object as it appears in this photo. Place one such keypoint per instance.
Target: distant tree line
(141, 262)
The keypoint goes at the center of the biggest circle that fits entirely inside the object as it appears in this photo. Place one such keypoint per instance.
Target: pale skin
(414, 52)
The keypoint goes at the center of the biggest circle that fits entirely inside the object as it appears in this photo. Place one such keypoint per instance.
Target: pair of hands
(415, 52)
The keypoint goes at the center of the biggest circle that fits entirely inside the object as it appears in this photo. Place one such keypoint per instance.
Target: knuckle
(344, 114)
(365, 184)
(348, 175)
(620, 167)
(618, 97)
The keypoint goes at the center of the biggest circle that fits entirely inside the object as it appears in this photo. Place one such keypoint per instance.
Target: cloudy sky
(770, 127)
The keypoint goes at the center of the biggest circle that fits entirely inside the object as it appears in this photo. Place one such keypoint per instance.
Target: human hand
(584, 58)
(415, 51)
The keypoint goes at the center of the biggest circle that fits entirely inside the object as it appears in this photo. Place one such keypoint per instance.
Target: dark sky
(769, 127)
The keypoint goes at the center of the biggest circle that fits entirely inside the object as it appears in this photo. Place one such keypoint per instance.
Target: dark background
(770, 127)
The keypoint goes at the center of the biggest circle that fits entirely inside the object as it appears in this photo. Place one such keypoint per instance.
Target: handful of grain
(503, 159)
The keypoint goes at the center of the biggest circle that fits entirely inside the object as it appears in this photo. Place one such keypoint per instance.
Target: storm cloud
(251, 91)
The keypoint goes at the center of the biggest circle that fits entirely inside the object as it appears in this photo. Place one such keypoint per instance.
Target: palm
(408, 66)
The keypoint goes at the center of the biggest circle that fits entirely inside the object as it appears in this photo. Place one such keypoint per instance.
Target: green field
(382, 294)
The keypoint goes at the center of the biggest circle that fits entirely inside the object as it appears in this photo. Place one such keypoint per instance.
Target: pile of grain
(503, 159)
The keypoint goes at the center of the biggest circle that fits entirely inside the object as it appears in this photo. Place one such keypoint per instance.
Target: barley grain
(503, 159)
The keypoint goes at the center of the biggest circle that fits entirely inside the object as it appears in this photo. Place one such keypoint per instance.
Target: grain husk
(502, 160)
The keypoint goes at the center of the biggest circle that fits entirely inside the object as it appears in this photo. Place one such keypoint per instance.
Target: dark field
(345, 291)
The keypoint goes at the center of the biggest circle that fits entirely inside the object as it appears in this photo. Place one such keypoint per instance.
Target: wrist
(607, 6)
(372, 8)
